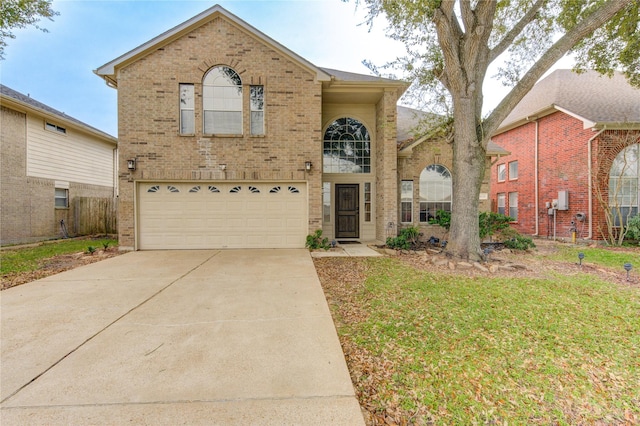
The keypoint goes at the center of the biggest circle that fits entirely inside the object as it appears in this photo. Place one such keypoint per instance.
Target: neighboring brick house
(568, 138)
(234, 141)
(48, 160)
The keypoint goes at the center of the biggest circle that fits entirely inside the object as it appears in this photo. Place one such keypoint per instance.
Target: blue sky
(56, 67)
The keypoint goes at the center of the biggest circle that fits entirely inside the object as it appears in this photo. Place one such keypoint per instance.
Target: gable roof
(15, 99)
(409, 122)
(108, 70)
(597, 100)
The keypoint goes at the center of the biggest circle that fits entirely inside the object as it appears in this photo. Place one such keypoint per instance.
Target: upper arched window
(222, 101)
(623, 184)
(347, 147)
(435, 191)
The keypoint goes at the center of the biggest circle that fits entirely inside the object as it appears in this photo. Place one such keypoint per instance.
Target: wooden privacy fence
(95, 216)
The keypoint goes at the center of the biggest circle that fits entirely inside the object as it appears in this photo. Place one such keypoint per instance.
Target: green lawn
(452, 349)
(30, 258)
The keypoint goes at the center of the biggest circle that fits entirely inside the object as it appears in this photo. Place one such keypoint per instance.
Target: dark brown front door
(347, 211)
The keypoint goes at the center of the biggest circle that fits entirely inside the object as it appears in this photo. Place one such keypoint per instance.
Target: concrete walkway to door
(175, 337)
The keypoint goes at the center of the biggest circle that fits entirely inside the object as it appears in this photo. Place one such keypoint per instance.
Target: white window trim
(504, 178)
(56, 198)
(408, 200)
(517, 171)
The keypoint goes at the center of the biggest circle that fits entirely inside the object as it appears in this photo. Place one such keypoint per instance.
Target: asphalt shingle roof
(28, 100)
(590, 95)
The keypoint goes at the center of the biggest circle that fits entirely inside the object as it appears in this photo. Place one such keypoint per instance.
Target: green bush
(315, 241)
(519, 242)
(443, 218)
(633, 228)
(407, 239)
(490, 223)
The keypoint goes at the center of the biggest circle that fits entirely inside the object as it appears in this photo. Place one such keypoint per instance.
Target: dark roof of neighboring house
(28, 101)
(595, 99)
(412, 130)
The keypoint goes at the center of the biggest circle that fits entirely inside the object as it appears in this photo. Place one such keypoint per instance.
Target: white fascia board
(586, 123)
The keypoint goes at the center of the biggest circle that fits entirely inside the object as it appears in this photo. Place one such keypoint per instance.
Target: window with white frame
(513, 205)
(54, 128)
(367, 201)
(257, 109)
(623, 184)
(406, 201)
(435, 191)
(187, 114)
(222, 101)
(346, 147)
(513, 170)
(502, 203)
(326, 202)
(502, 172)
(61, 198)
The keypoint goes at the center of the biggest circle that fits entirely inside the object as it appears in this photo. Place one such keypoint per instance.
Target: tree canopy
(450, 45)
(15, 14)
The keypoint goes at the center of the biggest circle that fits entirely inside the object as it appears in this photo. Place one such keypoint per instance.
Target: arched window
(347, 147)
(222, 101)
(435, 191)
(623, 184)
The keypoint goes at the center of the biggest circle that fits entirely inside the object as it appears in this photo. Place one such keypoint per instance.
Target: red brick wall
(562, 166)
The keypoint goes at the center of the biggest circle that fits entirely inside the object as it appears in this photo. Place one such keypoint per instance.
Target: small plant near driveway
(316, 241)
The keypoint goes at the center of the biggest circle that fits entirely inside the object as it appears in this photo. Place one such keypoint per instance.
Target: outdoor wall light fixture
(627, 267)
(131, 164)
(307, 165)
(580, 257)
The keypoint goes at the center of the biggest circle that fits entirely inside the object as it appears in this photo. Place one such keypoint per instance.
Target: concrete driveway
(175, 337)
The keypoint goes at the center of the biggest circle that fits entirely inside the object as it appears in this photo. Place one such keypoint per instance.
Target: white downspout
(536, 188)
(590, 171)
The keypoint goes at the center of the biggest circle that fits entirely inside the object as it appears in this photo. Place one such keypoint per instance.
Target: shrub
(315, 241)
(443, 218)
(519, 242)
(490, 223)
(91, 249)
(633, 228)
(407, 239)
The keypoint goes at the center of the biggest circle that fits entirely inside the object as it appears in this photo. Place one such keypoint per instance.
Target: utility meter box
(563, 200)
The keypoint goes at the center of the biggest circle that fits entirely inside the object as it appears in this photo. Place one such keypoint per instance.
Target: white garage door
(222, 215)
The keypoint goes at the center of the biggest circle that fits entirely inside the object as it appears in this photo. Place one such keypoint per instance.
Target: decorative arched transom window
(623, 184)
(347, 147)
(435, 191)
(222, 101)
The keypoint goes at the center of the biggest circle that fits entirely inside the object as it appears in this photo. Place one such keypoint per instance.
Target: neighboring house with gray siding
(49, 159)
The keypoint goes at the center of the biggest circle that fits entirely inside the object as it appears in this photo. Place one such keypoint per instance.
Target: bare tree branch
(517, 29)
(550, 57)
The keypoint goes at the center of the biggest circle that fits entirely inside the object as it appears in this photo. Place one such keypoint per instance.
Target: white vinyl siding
(73, 157)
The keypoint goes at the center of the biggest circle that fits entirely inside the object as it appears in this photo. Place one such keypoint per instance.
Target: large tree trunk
(469, 165)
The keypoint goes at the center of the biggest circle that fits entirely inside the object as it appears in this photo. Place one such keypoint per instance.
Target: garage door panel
(221, 215)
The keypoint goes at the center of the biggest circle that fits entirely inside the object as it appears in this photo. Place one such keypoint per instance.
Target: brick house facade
(49, 160)
(239, 142)
(563, 135)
